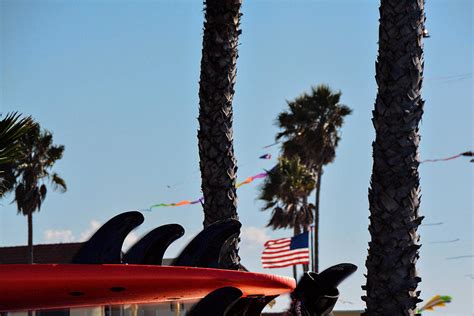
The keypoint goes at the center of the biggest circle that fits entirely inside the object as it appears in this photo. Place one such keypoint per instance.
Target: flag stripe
(277, 242)
(287, 264)
(284, 252)
(283, 258)
(276, 250)
(286, 246)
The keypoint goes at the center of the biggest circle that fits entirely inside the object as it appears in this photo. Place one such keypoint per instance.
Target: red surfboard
(53, 286)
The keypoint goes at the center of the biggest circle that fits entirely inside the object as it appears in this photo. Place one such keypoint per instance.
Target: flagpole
(311, 239)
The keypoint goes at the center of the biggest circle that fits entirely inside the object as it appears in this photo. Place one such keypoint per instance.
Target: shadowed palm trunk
(216, 92)
(30, 237)
(316, 221)
(306, 229)
(394, 195)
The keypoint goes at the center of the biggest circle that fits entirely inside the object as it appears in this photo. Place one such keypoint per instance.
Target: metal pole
(311, 240)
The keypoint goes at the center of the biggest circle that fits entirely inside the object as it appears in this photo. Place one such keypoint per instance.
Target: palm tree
(216, 91)
(285, 192)
(30, 174)
(394, 194)
(12, 128)
(310, 130)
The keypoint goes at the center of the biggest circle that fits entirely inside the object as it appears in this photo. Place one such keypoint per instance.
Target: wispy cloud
(94, 225)
(129, 241)
(57, 236)
(66, 235)
(254, 237)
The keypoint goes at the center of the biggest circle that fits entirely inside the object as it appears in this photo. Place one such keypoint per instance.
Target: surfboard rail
(55, 286)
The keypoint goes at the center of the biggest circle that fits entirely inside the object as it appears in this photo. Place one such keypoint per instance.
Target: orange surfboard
(54, 286)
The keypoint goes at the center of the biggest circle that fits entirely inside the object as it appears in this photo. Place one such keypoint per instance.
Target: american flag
(285, 252)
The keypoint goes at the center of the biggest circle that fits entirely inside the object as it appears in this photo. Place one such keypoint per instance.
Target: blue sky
(117, 84)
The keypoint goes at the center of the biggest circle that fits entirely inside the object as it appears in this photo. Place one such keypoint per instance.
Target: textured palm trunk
(30, 237)
(306, 229)
(394, 195)
(216, 91)
(316, 221)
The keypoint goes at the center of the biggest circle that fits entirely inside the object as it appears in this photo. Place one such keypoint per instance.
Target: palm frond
(285, 191)
(310, 127)
(58, 183)
(30, 171)
(12, 127)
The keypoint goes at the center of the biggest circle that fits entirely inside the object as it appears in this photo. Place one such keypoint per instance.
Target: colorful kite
(201, 199)
(465, 154)
(250, 179)
(181, 203)
(266, 156)
(436, 301)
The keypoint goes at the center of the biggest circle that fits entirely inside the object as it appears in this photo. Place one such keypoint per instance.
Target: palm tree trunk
(30, 237)
(216, 91)
(394, 194)
(296, 231)
(316, 221)
(305, 229)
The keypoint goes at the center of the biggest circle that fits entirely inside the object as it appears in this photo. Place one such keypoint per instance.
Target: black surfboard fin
(250, 306)
(216, 303)
(333, 276)
(204, 250)
(151, 248)
(105, 246)
(318, 293)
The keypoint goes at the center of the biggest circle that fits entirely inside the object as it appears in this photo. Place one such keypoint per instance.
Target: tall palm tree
(310, 130)
(32, 171)
(285, 192)
(394, 194)
(12, 128)
(216, 91)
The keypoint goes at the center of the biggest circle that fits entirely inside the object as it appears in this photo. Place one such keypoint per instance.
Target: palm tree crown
(310, 126)
(34, 168)
(12, 128)
(285, 191)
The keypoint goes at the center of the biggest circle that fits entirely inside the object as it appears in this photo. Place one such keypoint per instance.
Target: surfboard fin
(216, 303)
(318, 293)
(151, 248)
(105, 246)
(204, 250)
(250, 306)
